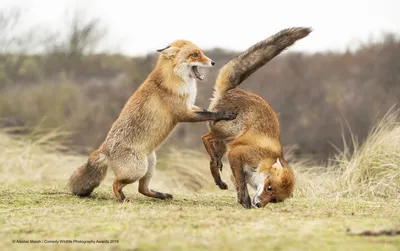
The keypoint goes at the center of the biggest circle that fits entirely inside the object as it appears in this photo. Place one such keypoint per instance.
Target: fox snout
(257, 202)
(260, 201)
(210, 62)
(199, 61)
(204, 62)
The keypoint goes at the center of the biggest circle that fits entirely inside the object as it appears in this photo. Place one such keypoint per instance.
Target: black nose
(212, 63)
(258, 204)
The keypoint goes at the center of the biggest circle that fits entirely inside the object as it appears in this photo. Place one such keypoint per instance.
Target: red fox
(255, 151)
(165, 98)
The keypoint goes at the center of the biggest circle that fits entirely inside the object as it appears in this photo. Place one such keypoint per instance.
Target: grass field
(357, 192)
(190, 221)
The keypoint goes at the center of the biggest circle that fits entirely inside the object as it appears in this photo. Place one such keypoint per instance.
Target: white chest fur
(189, 89)
(253, 178)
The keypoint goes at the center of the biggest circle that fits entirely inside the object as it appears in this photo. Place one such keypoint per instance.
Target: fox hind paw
(222, 185)
(163, 196)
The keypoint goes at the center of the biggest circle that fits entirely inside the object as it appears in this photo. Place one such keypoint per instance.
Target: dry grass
(358, 191)
(368, 170)
(33, 158)
(372, 168)
(87, 111)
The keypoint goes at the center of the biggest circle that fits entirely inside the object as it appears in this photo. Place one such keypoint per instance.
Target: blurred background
(71, 65)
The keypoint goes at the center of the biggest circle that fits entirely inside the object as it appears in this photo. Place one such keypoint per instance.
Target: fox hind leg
(216, 149)
(144, 182)
(117, 188)
(128, 168)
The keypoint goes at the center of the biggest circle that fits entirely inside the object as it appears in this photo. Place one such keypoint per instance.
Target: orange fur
(164, 99)
(253, 138)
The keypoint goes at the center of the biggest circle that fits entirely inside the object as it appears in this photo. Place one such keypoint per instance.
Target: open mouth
(196, 74)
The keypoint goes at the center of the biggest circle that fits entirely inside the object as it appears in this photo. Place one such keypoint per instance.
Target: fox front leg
(240, 182)
(205, 115)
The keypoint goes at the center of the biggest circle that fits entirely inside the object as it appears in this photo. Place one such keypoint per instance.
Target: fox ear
(168, 51)
(278, 164)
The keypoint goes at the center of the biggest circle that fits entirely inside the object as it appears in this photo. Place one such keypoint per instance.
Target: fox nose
(258, 204)
(212, 63)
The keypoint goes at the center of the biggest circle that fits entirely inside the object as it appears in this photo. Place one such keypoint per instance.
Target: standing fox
(255, 152)
(165, 98)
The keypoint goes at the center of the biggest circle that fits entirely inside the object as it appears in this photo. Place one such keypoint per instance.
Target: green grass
(32, 211)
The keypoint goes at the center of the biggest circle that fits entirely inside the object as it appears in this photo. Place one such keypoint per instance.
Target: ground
(36, 204)
(201, 221)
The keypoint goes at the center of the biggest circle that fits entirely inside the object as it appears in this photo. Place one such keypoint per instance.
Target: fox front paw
(244, 199)
(226, 115)
(246, 203)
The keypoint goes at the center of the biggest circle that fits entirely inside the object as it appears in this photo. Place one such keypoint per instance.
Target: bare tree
(14, 45)
(81, 39)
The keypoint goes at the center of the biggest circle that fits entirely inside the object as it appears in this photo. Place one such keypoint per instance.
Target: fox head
(187, 59)
(276, 183)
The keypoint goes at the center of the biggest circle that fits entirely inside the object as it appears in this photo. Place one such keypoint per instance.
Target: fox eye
(269, 188)
(195, 55)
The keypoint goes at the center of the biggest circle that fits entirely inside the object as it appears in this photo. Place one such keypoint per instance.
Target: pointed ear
(168, 51)
(278, 164)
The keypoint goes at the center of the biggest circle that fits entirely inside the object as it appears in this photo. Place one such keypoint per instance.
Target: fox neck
(183, 86)
(170, 79)
(255, 176)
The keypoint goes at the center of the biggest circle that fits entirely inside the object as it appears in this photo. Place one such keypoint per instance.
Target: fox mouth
(255, 200)
(194, 73)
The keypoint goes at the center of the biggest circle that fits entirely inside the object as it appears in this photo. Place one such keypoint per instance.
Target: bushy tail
(87, 177)
(246, 63)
